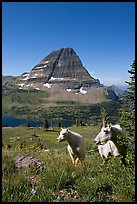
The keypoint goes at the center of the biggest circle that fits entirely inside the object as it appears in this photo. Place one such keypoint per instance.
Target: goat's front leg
(72, 157)
(76, 161)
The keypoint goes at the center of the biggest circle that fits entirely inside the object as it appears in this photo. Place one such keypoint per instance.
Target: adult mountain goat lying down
(107, 144)
(76, 145)
(108, 148)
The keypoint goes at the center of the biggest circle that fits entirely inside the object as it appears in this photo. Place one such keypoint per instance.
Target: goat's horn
(105, 121)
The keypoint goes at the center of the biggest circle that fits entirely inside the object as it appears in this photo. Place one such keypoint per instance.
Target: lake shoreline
(12, 121)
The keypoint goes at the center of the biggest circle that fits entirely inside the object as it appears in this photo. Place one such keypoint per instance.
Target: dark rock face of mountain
(64, 67)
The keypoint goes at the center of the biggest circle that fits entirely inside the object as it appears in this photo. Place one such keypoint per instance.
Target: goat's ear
(110, 125)
(61, 128)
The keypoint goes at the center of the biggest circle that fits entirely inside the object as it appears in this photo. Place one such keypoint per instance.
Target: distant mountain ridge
(116, 90)
(6, 79)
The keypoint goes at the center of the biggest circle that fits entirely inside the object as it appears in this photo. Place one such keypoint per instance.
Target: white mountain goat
(107, 142)
(76, 145)
(108, 132)
(108, 148)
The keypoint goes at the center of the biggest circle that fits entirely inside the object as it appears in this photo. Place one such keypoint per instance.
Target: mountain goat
(107, 142)
(76, 145)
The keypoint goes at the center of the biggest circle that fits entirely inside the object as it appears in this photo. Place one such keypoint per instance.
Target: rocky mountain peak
(65, 68)
(64, 57)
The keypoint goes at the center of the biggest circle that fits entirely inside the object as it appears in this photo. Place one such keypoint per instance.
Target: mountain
(6, 79)
(118, 92)
(63, 77)
(61, 67)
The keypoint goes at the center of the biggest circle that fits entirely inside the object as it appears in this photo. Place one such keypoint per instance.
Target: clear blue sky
(101, 33)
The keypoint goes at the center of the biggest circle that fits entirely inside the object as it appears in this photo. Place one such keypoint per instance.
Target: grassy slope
(59, 180)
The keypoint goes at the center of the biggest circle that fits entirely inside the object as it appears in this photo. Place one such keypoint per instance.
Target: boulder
(23, 161)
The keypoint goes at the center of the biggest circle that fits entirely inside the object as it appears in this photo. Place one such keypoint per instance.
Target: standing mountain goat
(76, 145)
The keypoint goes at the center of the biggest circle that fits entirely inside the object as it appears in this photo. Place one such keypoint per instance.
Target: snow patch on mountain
(53, 78)
(68, 90)
(83, 91)
(26, 78)
(21, 84)
(48, 85)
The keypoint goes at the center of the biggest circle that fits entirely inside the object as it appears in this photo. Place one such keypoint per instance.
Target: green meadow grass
(59, 180)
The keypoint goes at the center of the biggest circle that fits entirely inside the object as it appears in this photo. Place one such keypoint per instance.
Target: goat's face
(62, 136)
(104, 135)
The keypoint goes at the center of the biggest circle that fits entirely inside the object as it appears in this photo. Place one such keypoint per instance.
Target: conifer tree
(127, 113)
(46, 125)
